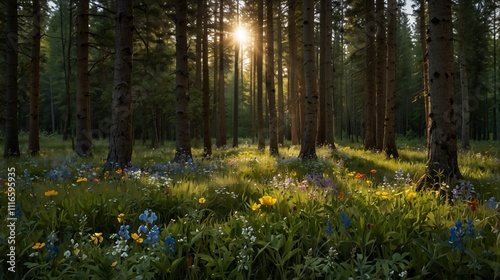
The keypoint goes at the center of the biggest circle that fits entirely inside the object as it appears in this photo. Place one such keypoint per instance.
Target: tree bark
(422, 15)
(207, 139)
(464, 84)
(11, 140)
(326, 74)
(271, 92)
(308, 147)
(261, 144)
(281, 101)
(120, 148)
(369, 100)
(221, 140)
(292, 74)
(237, 46)
(83, 146)
(34, 137)
(442, 165)
(389, 145)
(182, 125)
(381, 76)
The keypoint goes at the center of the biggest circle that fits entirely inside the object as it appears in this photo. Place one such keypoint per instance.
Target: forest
(285, 139)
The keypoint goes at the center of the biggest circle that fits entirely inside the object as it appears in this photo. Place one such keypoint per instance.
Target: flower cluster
(458, 232)
(463, 191)
(169, 244)
(52, 246)
(152, 233)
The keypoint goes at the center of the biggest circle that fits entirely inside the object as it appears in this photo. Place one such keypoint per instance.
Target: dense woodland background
(237, 84)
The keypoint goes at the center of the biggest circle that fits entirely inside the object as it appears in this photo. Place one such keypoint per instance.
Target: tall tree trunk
(207, 139)
(369, 100)
(308, 147)
(182, 125)
(221, 140)
(216, 72)
(271, 93)
(34, 137)
(66, 48)
(442, 164)
(237, 46)
(11, 140)
(495, 105)
(464, 83)
(422, 16)
(323, 62)
(292, 74)
(389, 145)
(120, 148)
(281, 101)
(381, 76)
(83, 125)
(261, 144)
(327, 69)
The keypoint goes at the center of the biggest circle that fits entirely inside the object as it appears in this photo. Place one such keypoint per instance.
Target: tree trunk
(34, 137)
(369, 100)
(292, 75)
(261, 144)
(425, 71)
(182, 126)
(120, 148)
(237, 46)
(271, 92)
(11, 140)
(442, 165)
(281, 101)
(464, 84)
(207, 139)
(66, 48)
(381, 76)
(389, 145)
(221, 140)
(308, 147)
(327, 69)
(83, 125)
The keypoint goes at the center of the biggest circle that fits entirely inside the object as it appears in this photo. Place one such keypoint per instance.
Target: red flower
(472, 204)
(360, 176)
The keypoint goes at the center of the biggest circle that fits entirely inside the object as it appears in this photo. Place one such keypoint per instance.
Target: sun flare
(241, 34)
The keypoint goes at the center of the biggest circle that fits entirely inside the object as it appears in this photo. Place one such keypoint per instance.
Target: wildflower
(202, 200)
(97, 238)
(67, 254)
(52, 246)
(119, 171)
(360, 175)
(490, 203)
(369, 182)
(456, 236)
(329, 228)
(152, 237)
(38, 246)
(137, 238)
(412, 195)
(373, 171)
(344, 220)
(114, 263)
(469, 230)
(123, 232)
(81, 179)
(267, 200)
(169, 244)
(472, 205)
(121, 217)
(147, 217)
(255, 206)
(382, 194)
(51, 193)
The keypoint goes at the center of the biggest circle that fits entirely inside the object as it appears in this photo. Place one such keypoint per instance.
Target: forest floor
(350, 214)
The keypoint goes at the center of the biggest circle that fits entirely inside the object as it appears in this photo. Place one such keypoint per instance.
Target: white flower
(67, 254)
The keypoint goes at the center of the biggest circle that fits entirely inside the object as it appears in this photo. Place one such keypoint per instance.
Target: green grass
(343, 215)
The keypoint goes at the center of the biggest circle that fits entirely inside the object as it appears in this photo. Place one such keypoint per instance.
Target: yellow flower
(81, 179)
(97, 237)
(369, 182)
(121, 217)
(202, 200)
(51, 193)
(255, 206)
(137, 238)
(412, 195)
(38, 245)
(114, 263)
(267, 200)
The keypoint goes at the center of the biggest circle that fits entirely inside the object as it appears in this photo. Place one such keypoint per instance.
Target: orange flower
(472, 205)
(360, 176)
(119, 171)
(373, 171)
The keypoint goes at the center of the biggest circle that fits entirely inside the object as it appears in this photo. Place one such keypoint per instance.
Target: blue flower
(144, 216)
(329, 228)
(142, 229)
(169, 244)
(52, 246)
(147, 217)
(490, 203)
(456, 236)
(152, 218)
(123, 232)
(344, 220)
(470, 231)
(152, 237)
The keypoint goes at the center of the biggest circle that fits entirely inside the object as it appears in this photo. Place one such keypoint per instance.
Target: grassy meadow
(243, 214)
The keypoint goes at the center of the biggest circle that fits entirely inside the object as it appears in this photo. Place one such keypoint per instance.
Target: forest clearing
(243, 214)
